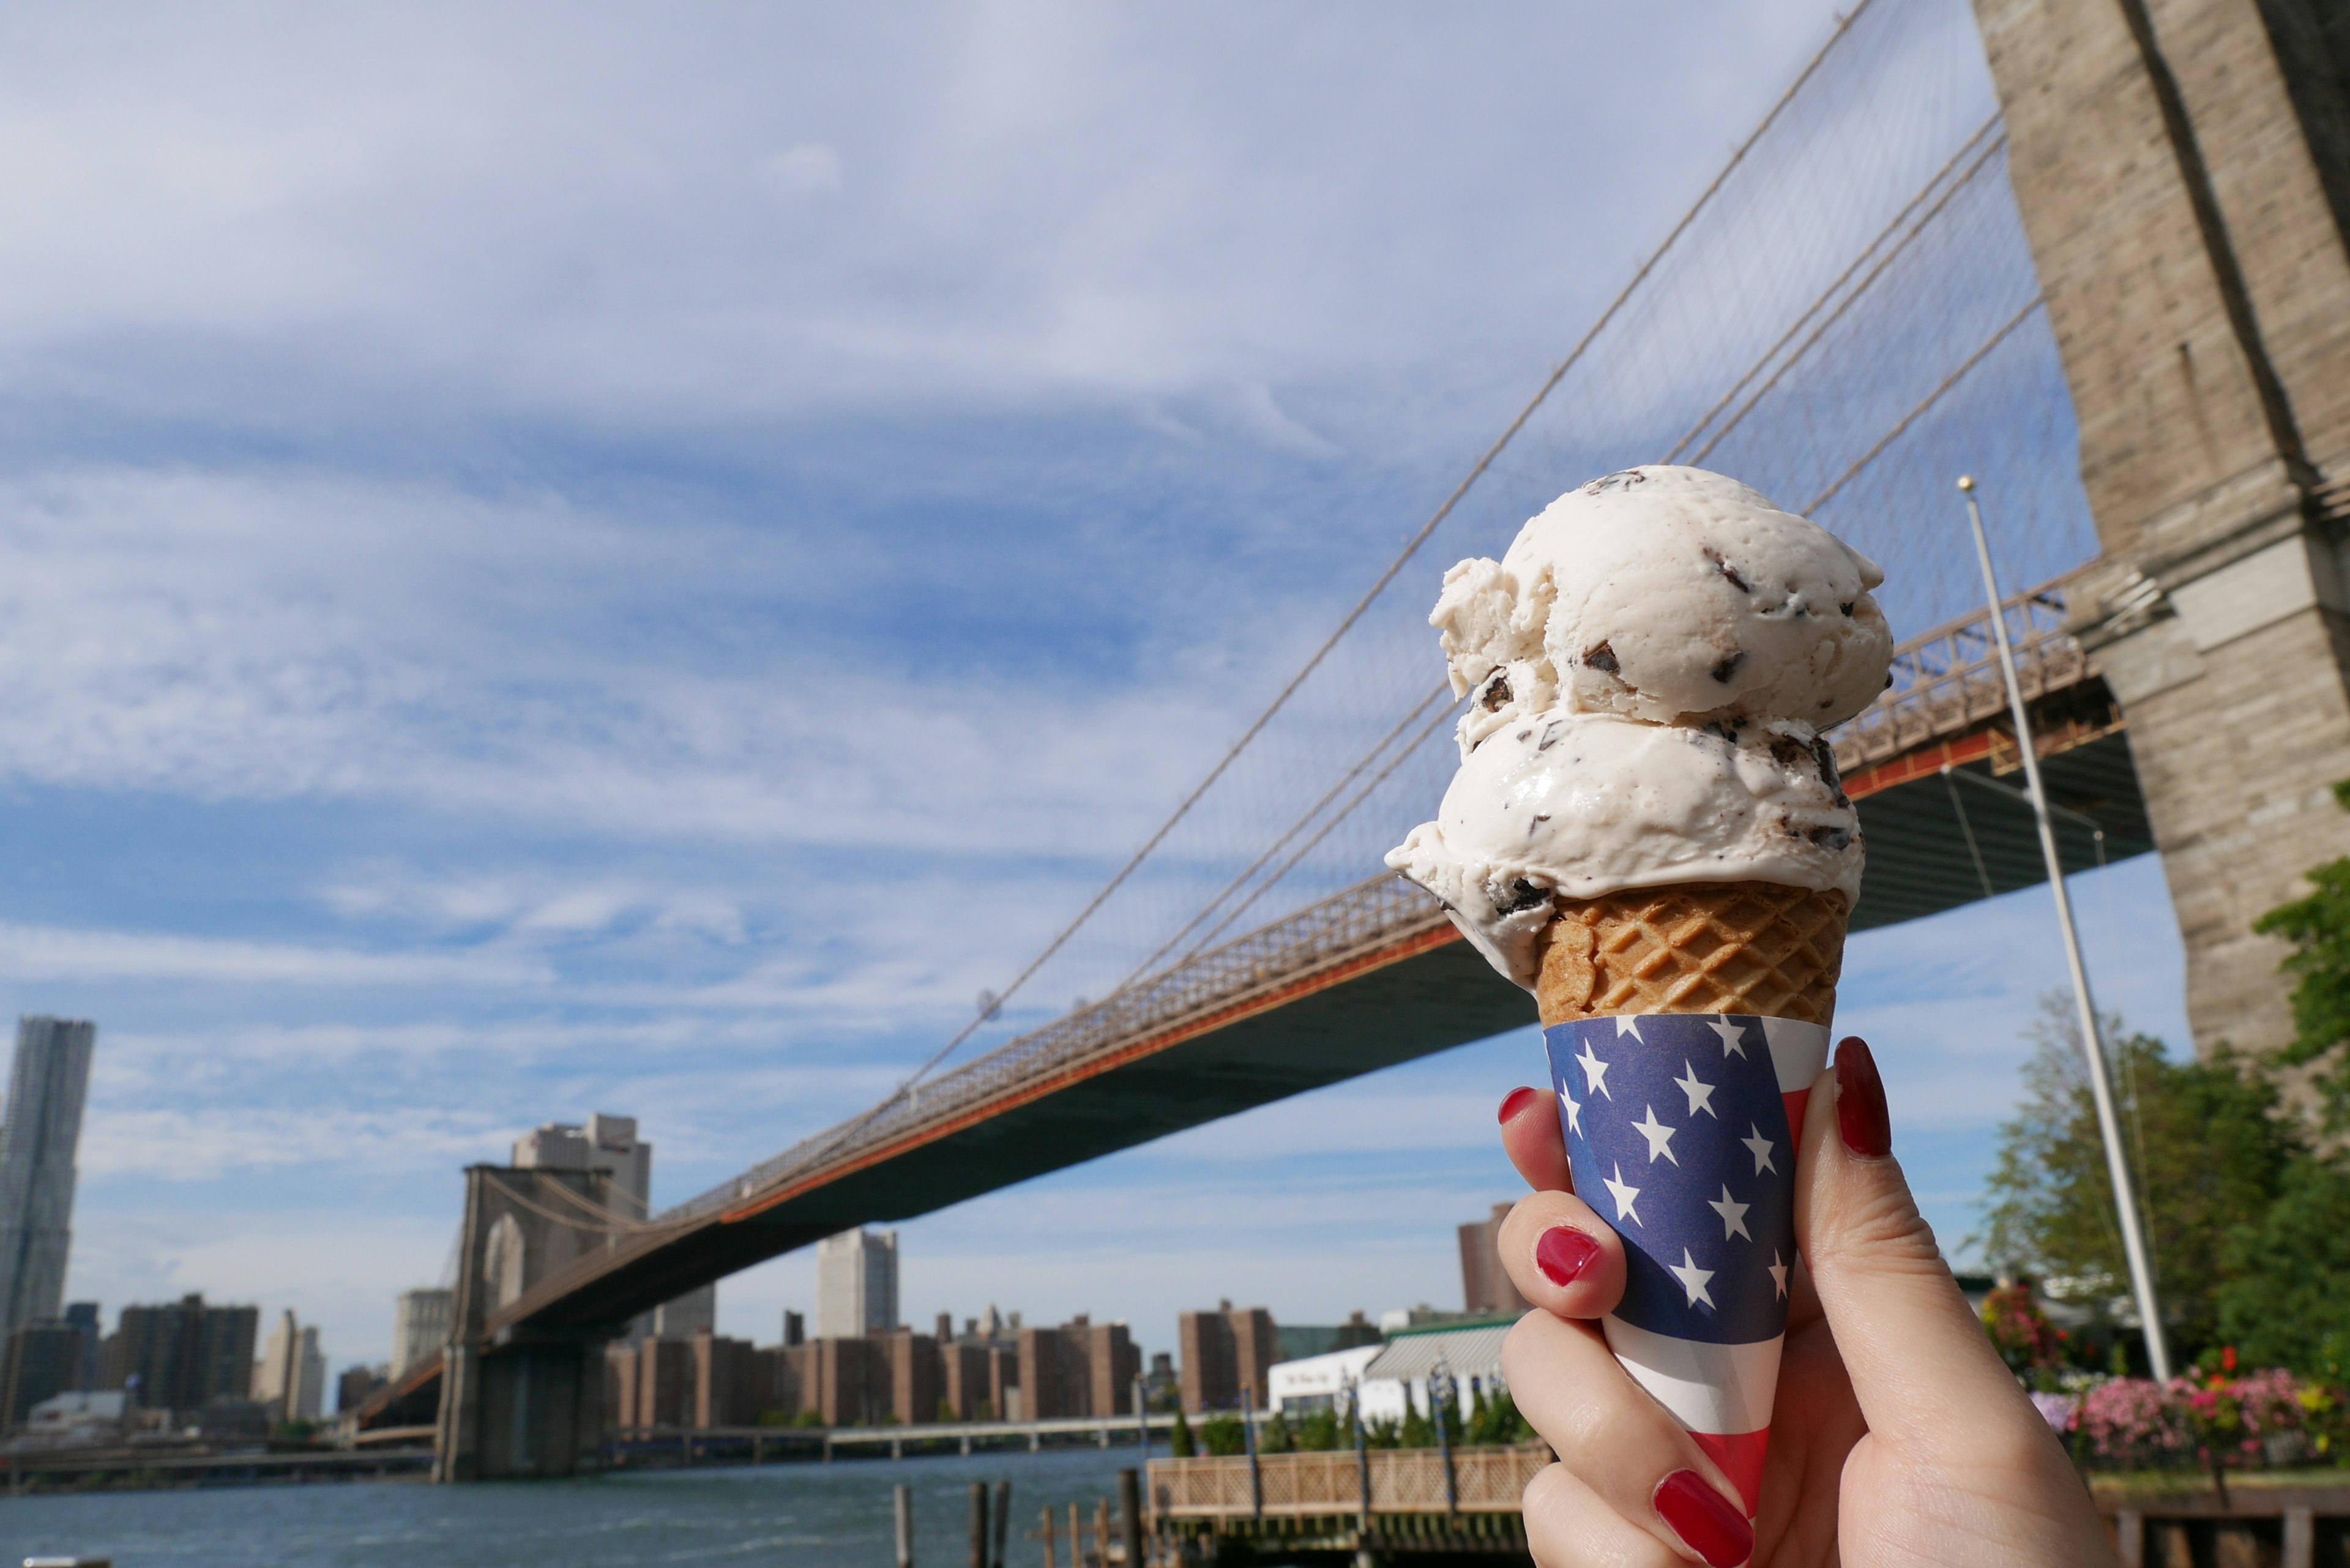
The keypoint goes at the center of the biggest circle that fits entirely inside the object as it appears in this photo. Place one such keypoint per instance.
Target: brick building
(917, 1378)
(1486, 1289)
(1223, 1352)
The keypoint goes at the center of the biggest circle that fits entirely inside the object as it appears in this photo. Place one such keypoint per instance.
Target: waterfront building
(916, 1376)
(42, 1360)
(1298, 1341)
(182, 1355)
(356, 1383)
(1486, 1289)
(292, 1376)
(83, 1315)
(1471, 1353)
(47, 1084)
(610, 1144)
(1224, 1353)
(1318, 1382)
(420, 1327)
(856, 1285)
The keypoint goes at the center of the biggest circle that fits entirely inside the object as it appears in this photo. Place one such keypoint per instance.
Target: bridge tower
(2183, 168)
(531, 1405)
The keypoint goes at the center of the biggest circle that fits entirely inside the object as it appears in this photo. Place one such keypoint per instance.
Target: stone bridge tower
(529, 1405)
(2184, 171)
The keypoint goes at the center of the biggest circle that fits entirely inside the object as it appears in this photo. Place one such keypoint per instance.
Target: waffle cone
(1752, 947)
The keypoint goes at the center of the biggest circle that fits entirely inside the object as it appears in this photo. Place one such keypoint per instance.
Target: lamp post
(2158, 1350)
(1441, 1396)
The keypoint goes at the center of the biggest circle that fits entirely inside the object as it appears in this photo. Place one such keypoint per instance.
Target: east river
(805, 1515)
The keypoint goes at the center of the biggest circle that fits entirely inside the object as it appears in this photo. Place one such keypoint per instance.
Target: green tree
(1276, 1438)
(2286, 1302)
(2318, 926)
(1180, 1442)
(1417, 1432)
(1497, 1420)
(2207, 1146)
(1319, 1432)
(1223, 1435)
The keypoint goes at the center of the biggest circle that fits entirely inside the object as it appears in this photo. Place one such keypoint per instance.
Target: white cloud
(810, 168)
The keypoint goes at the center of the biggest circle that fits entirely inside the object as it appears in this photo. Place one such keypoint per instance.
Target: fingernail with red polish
(1515, 1101)
(1861, 1116)
(1708, 1523)
(1562, 1253)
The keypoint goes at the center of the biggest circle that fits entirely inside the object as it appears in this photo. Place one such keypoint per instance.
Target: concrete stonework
(532, 1405)
(2180, 195)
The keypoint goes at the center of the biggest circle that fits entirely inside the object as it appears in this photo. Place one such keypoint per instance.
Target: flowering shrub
(2208, 1421)
(2021, 1332)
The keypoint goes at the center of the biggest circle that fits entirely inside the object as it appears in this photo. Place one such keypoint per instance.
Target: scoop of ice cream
(1667, 593)
(1562, 803)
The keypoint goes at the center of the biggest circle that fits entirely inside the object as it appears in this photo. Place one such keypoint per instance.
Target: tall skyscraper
(45, 1089)
(420, 1328)
(610, 1144)
(856, 1285)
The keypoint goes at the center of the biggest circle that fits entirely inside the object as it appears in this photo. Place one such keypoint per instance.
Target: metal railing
(1948, 681)
(1363, 919)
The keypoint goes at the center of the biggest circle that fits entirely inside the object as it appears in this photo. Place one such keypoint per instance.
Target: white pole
(2157, 1351)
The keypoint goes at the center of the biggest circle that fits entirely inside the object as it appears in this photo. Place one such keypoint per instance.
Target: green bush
(1180, 1442)
(1320, 1432)
(1223, 1435)
(1276, 1438)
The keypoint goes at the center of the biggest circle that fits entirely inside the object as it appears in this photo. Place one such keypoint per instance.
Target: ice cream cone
(1701, 1010)
(1753, 947)
(1648, 831)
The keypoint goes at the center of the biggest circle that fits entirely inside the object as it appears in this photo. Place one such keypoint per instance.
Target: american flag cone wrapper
(1682, 1131)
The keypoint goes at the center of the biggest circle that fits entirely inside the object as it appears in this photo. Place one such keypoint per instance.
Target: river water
(805, 1515)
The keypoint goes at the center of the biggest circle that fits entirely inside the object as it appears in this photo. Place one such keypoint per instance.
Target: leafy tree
(2286, 1302)
(1383, 1433)
(2207, 1146)
(1224, 1434)
(1496, 1420)
(809, 1419)
(1319, 1432)
(1276, 1438)
(1179, 1443)
(1417, 1432)
(946, 1409)
(2318, 926)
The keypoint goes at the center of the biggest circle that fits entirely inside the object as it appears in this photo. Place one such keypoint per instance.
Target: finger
(1568, 1527)
(1914, 1348)
(1534, 1141)
(1619, 1442)
(1563, 1257)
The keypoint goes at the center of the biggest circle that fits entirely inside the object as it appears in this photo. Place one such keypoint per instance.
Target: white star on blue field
(611, 559)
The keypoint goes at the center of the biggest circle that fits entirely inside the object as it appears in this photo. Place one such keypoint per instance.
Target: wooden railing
(1309, 1485)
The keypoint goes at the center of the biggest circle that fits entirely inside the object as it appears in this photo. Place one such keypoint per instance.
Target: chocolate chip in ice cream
(1602, 658)
(1727, 670)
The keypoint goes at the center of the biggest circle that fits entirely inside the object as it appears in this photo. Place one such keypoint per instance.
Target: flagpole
(2158, 1350)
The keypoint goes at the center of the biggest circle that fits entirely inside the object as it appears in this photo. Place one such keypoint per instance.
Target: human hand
(1899, 1437)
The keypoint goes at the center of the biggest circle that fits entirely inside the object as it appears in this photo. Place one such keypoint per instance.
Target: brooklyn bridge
(2092, 252)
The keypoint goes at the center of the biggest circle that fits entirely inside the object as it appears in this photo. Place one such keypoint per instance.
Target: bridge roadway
(1370, 977)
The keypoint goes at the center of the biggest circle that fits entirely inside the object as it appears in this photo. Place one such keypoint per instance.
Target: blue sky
(561, 559)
